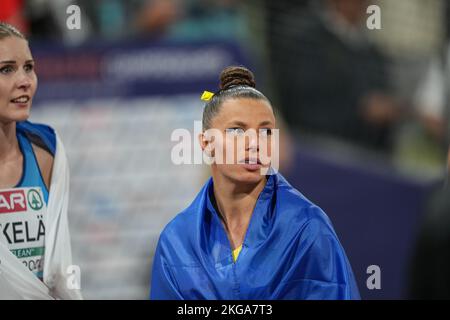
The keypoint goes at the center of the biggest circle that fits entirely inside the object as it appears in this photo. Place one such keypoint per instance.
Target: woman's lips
(21, 101)
(252, 164)
(251, 167)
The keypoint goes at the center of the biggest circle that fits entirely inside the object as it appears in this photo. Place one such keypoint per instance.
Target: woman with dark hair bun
(248, 234)
(35, 252)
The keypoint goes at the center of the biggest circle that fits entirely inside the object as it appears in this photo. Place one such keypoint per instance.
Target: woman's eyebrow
(244, 125)
(265, 123)
(237, 123)
(14, 62)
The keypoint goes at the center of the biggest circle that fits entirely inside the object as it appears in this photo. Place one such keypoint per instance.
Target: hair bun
(236, 76)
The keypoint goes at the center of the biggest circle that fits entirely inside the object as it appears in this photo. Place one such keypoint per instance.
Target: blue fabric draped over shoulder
(40, 134)
(290, 251)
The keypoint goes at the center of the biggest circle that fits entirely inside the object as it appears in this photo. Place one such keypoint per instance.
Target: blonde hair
(7, 30)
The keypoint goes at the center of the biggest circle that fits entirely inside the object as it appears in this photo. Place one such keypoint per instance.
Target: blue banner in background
(131, 69)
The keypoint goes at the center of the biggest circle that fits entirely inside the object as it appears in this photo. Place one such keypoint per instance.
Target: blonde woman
(35, 252)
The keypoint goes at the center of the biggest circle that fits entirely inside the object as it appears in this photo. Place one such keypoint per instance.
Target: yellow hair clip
(206, 96)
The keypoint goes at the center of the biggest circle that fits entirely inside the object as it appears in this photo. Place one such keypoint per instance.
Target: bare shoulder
(45, 161)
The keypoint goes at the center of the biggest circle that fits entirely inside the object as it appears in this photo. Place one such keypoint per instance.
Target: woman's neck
(236, 203)
(9, 146)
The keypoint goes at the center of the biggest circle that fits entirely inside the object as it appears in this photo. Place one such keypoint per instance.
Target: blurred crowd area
(365, 96)
(114, 20)
(330, 76)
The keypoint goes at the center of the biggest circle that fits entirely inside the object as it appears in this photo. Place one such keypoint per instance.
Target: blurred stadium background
(363, 113)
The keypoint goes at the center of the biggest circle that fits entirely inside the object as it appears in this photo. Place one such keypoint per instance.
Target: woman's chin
(242, 174)
(22, 116)
(249, 176)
